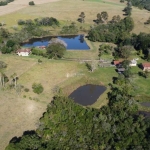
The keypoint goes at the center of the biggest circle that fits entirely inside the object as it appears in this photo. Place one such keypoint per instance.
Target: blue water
(73, 42)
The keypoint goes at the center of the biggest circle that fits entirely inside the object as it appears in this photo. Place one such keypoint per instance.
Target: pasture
(68, 11)
(20, 112)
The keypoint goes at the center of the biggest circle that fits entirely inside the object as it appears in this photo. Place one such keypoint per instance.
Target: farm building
(117, 62)
(146, 66)
(133, 62)
(23, 52)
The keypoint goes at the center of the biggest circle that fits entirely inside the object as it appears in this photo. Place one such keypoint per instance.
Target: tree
(129, 23)
(115, 19)
(92, 65)
(14, 79)
(129, 4)
(3, 78)
(37, 88)
(99, 19)
(122, 1)
(104, 16)
(81, 17)
(55, 50)
(147, 74)
(125, 64)
(125, 51)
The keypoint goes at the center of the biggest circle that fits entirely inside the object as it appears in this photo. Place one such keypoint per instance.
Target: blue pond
(75, 42)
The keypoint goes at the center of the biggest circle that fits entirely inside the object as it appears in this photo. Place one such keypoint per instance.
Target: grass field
(19, 113)
(68, 11)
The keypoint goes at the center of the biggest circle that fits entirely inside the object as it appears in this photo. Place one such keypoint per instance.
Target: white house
(23, 52)
(133, 62)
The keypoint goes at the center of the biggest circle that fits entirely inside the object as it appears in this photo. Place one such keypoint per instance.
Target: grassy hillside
(68, 11)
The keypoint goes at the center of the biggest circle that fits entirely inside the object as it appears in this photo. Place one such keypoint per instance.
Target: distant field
(68, 11)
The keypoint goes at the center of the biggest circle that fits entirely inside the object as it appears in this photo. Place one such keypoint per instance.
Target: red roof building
(117, 62)
(146, 66)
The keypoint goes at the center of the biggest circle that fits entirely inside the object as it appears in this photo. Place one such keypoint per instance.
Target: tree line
(45, 21)
(142, 4)
(5, 2)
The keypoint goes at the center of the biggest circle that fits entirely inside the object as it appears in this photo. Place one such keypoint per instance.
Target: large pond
(87, 94)
(75, 42)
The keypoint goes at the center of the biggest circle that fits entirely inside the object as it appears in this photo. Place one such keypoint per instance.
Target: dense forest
(67, 125)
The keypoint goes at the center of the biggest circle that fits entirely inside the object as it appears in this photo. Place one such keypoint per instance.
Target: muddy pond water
(87, 94)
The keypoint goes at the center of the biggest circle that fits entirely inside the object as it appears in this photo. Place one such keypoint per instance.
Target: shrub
(30, 98)
(31, 3)
(26, 90)
(21, 22)
(24, 96)
(37, 88)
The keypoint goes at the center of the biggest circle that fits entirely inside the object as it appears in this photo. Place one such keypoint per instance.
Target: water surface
(75, 42)
(87, 94)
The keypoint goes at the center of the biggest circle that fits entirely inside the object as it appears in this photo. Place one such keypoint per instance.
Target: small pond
(74, 42)
(87, 94)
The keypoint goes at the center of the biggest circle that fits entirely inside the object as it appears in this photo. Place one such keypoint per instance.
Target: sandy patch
(19, 4)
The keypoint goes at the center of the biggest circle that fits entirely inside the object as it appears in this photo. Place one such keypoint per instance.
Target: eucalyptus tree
(81, 17)
(14, 78)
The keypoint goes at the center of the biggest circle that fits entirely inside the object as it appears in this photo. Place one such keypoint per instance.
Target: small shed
(146, 66)
(133, 62)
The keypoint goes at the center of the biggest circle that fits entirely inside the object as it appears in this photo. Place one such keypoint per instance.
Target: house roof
(117, 62)
(24, 50)
(121, 69)
(146, 64)
(133, 61)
